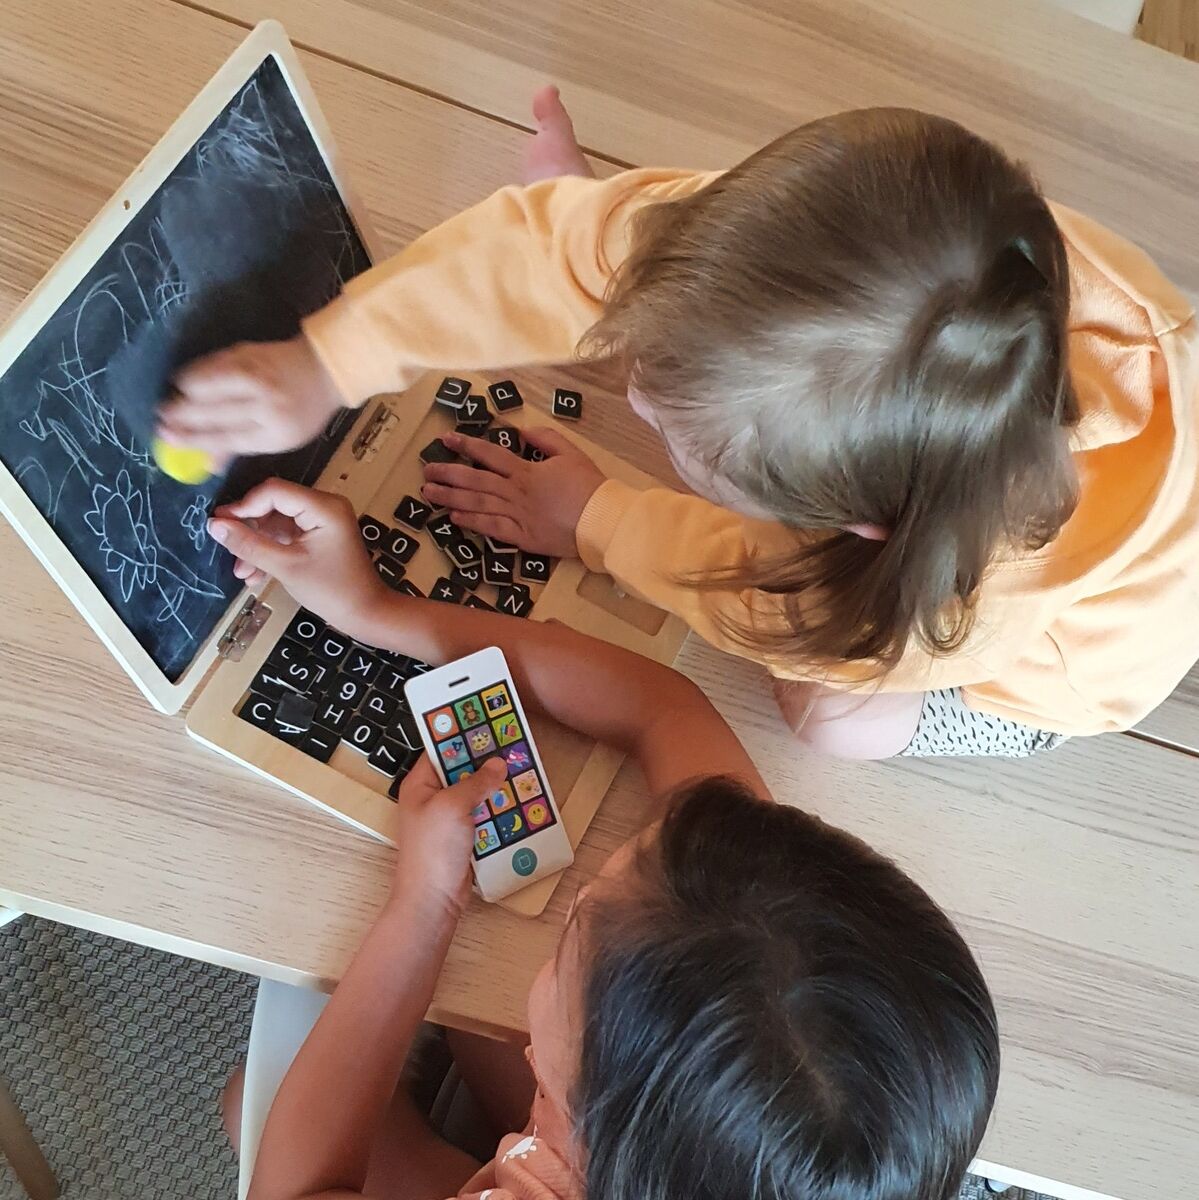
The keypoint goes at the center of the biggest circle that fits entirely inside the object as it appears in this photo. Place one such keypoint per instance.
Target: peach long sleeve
(1087, 635)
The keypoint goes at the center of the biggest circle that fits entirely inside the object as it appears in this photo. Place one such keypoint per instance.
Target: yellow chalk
(181, 464)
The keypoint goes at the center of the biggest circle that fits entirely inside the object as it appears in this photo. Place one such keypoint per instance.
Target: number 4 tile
(499, 569)
(474, 412)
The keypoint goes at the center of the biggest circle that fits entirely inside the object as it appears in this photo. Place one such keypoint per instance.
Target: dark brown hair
(773, 1011)
(863, 323)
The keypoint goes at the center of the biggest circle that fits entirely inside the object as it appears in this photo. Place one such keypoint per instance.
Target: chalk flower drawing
(195, 521)
(116, 519)
(120, 517)
(73, 446)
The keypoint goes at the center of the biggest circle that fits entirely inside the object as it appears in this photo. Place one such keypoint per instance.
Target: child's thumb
(469, 790)
(247, 544)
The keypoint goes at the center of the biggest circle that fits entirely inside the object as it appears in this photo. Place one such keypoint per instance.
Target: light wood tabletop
(1073, 875)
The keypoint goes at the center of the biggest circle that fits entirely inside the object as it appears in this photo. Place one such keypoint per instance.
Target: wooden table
(1074, 876)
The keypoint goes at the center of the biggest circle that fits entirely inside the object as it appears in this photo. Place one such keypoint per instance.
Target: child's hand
(435, 834)
(254, 398)
(535, 506)
(309, 541)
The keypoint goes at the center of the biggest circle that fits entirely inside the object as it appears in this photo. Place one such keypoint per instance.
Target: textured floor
(117, 1055)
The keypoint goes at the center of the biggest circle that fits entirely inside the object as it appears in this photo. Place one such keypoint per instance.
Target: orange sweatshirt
(1086, 635)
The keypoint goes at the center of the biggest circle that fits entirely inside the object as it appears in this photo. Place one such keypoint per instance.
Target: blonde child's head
(860, 332)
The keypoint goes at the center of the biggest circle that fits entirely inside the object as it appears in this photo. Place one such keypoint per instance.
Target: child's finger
(309, 508)
(249, 574)
(502, 528)
(228, 440)
(462, 499)
(421, 783)
(549, 440)
(213, 378)
(226, 413)
(470, 789)
(248, 544)
(494, 458)
(469, 478)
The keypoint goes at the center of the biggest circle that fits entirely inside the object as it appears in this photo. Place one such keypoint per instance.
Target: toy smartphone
(468, 712)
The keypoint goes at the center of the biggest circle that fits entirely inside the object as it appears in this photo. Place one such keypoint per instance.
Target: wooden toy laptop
(239, 222)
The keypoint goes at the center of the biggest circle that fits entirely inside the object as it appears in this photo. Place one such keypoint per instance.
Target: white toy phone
(468, 711)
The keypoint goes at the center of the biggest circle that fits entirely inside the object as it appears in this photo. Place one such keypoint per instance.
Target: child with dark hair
(746, 1002)
(943, 436)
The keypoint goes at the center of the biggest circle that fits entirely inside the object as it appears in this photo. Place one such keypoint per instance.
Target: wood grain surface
(1073, 875)
(1106, 122)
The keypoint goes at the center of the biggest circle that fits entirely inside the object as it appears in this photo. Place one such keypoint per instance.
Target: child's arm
(516, 279)
(609, 694)
(333, 1102)
(653, 542)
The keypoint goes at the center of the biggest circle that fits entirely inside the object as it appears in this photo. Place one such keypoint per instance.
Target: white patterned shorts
(948, 727)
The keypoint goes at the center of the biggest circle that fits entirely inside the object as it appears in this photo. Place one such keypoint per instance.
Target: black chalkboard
(247, 235)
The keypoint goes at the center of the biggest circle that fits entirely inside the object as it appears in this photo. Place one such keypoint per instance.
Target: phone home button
(524, 861)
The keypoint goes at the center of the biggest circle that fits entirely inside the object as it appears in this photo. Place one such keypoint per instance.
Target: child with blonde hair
(940, 434)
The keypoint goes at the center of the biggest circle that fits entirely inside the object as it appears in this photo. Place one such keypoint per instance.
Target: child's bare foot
(553, 150)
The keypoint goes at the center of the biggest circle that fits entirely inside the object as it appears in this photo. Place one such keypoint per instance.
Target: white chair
(283, 1017)
(1120, 15)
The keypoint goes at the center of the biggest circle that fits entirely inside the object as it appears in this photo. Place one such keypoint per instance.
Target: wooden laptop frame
(268, 39)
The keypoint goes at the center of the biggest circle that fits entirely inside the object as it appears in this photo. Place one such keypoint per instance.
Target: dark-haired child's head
(861, 327)
(768, 1009)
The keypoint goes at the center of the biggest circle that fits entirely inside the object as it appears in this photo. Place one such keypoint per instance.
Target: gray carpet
(118, 1054)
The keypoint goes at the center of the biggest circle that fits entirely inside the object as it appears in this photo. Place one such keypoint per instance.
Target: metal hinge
(366, 444)
(244, 627)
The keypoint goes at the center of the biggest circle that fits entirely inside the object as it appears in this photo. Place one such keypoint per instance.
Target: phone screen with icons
(485, 724)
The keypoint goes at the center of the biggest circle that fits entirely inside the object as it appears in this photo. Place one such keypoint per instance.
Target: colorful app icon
(442, 722)
(453, 753)
(481, 741)
(517, 757)
(460, 773)
(495, 700)
(507, 729)
(538, 814)
(480, 813)
(511, 826)
(502, 799)
(527, 785)
(486, 839)
(470, 712)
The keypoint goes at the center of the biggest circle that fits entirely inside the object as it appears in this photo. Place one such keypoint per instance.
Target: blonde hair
(864, 322)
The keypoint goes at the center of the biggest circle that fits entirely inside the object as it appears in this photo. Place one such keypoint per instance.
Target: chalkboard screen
(246, 235)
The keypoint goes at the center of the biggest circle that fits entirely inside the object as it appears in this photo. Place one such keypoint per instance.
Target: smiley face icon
(537, 814)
